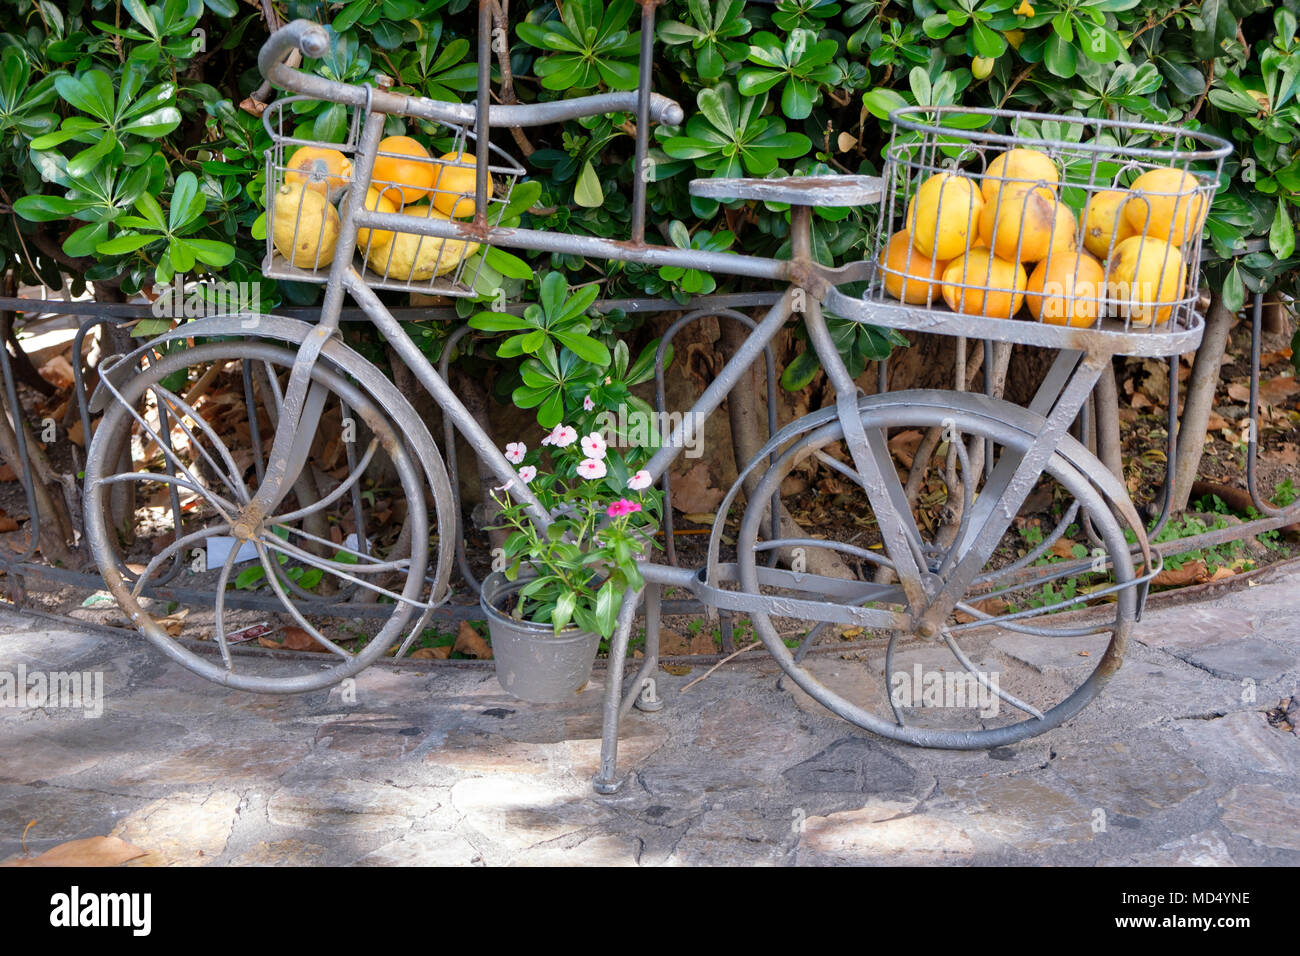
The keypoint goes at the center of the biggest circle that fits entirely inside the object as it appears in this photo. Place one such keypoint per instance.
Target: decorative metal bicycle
(960, 558)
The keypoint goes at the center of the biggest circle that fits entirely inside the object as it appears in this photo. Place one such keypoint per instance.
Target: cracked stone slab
(424, 848)
(862, 838)
(729, 727)
(371, 736)
(290, 852)
(184, 829)
(47, 649)
(603, 849)
(517, 813)
(1263, 815)
(1199, 849)
(1245, 738)
(853, 767)
(1143, 692)
(352, 805)
(1248, 657)
(1024, 811)
(61, 813)
(254, 760)
(739, 837)
(41, 747)
(1067, 657)
(1135, 778)
(1192, 626)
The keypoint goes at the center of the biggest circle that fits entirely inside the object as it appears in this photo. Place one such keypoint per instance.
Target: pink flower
(622, 507)
(593, 446)
(591, 469)
(562, 436)
(588, 404)
(527, 473)
(515, 452)
(640, 481)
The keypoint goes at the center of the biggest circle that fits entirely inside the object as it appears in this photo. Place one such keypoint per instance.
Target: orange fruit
(1066, 289)
(944, 215)
(454, 185)
(409, 168)
(1025, 225)
(997, 286)
(1017, 171)
(1166, 204)
(910, 275)
(325, 171)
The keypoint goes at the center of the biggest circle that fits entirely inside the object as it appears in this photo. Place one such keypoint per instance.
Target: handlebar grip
(306, 36)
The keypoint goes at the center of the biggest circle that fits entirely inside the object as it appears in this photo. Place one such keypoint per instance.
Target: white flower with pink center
(527, 473)
(588, 404)
(640, 481)
(591, 469)
(562, 436)
(593, 446)
(515, 452)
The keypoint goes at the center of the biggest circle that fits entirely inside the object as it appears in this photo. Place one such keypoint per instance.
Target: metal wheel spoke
(290, 551)
(1038, 551)
(274, 579)
(353, 476)
(889, 678)
(232, 479)
(373, 566)
(983, 680)
(175, 547)
(220, 609)
(224, 508)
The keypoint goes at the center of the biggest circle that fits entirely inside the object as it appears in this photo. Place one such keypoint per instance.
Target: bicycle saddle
(795, 190)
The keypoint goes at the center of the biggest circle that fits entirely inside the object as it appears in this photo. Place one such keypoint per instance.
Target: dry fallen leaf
(1063, 548)
(297, 639)
(694, 492)
(92, 851)
(1239, 391)
(903, 446)
(1276, 391)
(470, 644)
(432, 653)
(1190, 573)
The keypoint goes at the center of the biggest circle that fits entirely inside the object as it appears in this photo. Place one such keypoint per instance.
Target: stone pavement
(1177, 763)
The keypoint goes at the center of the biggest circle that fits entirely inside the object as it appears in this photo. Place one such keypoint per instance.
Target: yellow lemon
(1024, 226)
(1018, 170)
(387, 201)
(1166, 204)
(944, 215)
(1104, 224)
(305, 227)
(1143, 272)
(408, 256)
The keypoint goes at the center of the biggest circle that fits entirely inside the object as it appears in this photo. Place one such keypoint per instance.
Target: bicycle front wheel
(1005, 666)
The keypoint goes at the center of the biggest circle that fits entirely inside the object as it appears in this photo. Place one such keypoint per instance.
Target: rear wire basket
(456, 265)
(1091, 156)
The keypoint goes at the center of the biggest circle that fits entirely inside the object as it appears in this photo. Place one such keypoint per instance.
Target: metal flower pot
(533, 662)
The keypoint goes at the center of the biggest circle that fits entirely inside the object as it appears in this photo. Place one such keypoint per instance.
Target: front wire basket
(303, 225)
(1067, 237)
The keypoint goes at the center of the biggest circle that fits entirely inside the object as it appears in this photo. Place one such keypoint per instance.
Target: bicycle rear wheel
(337, 567)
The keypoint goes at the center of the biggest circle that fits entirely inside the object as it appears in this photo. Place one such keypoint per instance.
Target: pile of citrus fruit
(406, 179)
(987, 245)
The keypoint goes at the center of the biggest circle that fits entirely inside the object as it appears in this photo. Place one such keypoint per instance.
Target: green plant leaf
(587, 192)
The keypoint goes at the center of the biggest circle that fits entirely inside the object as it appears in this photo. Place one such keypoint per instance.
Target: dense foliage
(132, 148)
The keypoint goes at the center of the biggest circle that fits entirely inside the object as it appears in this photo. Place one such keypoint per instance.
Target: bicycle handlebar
(312, 39)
